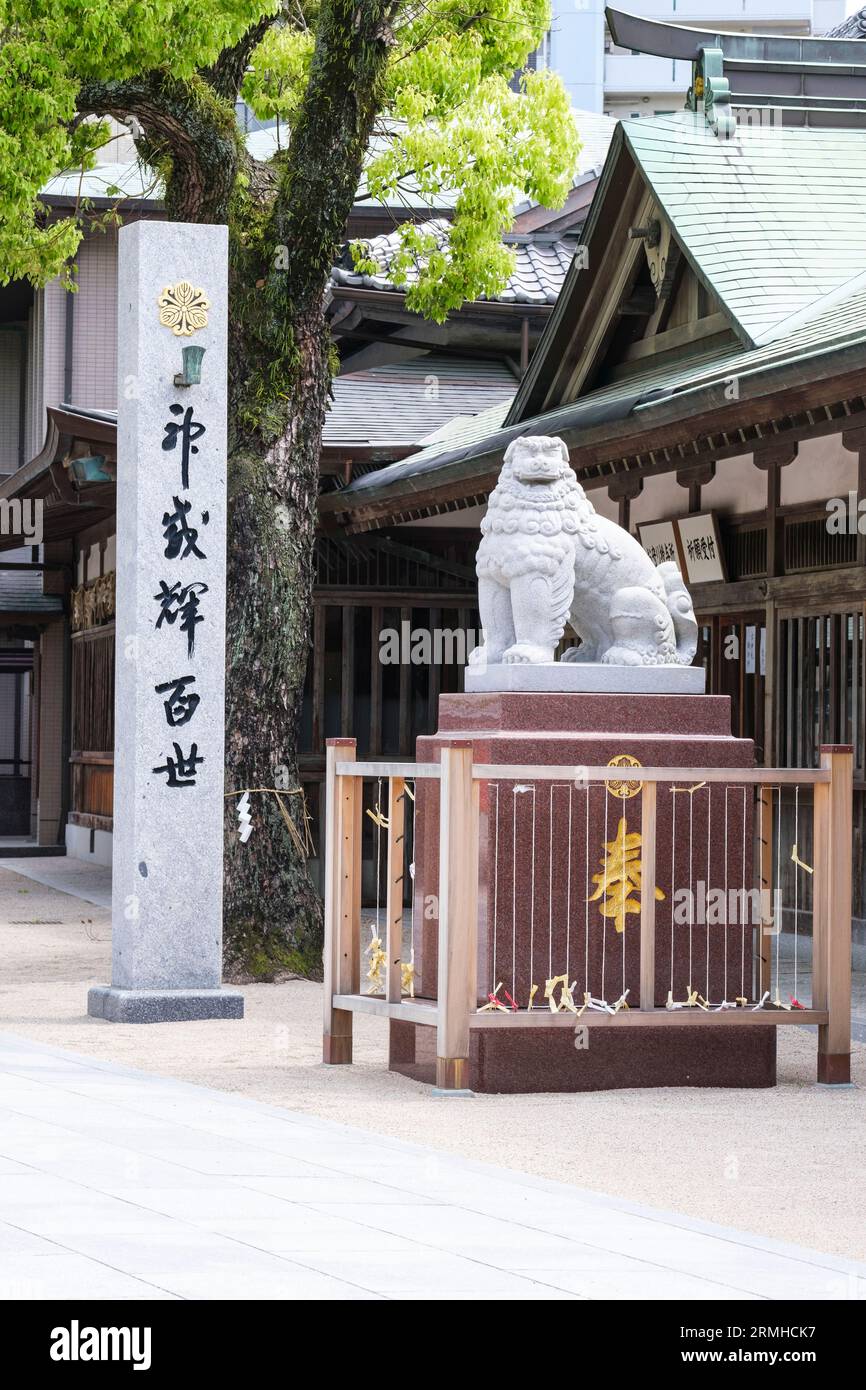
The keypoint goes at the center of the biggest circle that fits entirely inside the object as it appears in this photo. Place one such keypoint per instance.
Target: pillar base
(834, 1069)
(452, 1073)
(163, 1005)
(527, 1061)
(337, 1051)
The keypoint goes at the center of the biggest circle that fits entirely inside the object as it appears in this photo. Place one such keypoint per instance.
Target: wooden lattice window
(820, 685)
(93, 693)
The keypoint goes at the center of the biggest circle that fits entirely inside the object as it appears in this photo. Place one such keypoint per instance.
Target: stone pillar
(170, 623)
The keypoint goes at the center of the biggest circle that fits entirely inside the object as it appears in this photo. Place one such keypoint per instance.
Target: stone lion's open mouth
(539, 477)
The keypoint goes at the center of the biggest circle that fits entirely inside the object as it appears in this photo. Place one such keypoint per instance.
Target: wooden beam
(419, 1011)
(683, 335)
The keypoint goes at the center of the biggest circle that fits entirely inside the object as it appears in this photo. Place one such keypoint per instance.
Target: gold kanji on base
(619, 882)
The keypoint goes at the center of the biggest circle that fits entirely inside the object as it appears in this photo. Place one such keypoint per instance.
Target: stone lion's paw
(524, 653)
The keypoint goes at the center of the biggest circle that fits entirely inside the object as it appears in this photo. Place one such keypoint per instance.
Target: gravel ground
(785, 1163)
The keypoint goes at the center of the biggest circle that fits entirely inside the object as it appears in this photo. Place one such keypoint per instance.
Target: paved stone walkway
(117, 1184)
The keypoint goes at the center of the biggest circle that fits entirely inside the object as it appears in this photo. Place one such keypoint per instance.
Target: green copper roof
(835, 325)
(771, 219)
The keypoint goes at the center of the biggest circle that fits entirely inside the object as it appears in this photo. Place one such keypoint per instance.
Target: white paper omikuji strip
(245, 820)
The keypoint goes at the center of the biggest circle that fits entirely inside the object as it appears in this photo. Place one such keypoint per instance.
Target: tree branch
(189, 123)
(227, 73)
(320, 177)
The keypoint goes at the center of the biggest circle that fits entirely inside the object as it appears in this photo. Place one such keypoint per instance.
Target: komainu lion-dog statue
(547, 558)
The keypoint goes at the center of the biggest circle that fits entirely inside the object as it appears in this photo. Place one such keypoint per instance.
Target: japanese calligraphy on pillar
(170, 669)
(181, 523)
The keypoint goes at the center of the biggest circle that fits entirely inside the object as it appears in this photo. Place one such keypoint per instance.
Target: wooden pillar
(694, 479)
(769, 683)
(763, 950)
(405, 711)
(433, 675)
(623, 490)
(318, 682)
(376, 620)
(771, 461)
(834, 937)
(394, 891)
(347, 686)
(342, 955)
(648, 896)
(401, 1035)
(458, 915)
(855, 441)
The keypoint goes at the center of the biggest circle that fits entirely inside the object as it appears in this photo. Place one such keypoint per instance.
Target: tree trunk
(273, 914)
(280, 382)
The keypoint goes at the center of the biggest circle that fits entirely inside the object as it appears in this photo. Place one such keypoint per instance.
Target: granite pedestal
(545, 848)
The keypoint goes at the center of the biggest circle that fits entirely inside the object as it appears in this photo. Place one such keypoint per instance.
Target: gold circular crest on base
(625, 789)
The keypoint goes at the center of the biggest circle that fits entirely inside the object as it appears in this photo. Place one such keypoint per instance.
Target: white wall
(822, 469)
(595, 82)
(577, 51)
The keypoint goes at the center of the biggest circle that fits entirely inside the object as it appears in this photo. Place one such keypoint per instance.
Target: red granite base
(539, 852)
(530, 1061)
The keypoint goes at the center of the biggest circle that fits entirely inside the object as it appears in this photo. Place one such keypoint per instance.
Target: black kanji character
(181, 537)
(180, 706)
(181, 769)
(188, 430)
(183, 600)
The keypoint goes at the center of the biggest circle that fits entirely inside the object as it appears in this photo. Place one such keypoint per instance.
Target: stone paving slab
(118, 1184)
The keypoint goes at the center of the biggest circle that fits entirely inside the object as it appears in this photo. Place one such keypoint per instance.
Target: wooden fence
(455, 1011)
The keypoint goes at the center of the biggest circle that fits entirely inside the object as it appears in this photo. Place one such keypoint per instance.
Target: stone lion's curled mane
(518, 508)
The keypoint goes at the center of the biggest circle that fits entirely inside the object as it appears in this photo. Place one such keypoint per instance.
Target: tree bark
(272, 914)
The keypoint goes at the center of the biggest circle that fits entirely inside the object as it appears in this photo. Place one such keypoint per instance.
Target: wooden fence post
(458, 915)
(401, 1035)
(394, 892)
(342, 956)
(763, 963)
(834, 940)
(648, 896)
